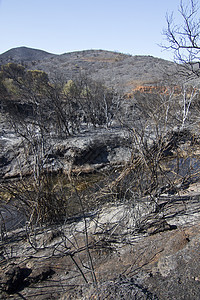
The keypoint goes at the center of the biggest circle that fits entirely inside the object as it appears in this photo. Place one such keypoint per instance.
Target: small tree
(89, 101)
(184, 38)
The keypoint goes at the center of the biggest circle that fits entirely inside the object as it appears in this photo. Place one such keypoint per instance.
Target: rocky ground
(158, 261)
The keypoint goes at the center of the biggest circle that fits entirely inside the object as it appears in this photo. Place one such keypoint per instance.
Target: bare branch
(184, 38)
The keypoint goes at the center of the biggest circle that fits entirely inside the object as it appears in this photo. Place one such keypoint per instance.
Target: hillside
(114, 69)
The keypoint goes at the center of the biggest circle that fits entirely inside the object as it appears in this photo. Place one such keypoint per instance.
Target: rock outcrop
(86, 152)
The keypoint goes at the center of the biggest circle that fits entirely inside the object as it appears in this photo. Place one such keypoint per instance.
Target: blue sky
(60, 26)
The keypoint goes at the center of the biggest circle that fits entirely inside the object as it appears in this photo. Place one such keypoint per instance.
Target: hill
(24, 54)
(113, 68)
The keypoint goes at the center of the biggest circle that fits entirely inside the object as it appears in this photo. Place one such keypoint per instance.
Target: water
(185, 167)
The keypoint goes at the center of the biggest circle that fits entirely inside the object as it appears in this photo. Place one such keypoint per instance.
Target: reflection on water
(185, 167)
